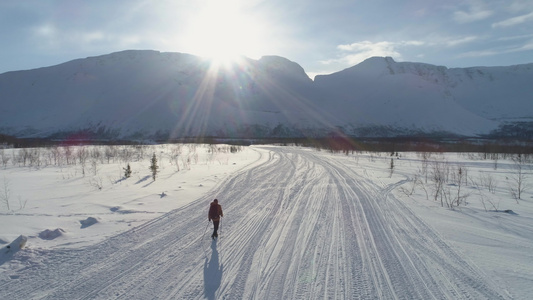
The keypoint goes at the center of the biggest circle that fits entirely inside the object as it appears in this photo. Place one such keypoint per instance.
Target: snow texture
(298, 224)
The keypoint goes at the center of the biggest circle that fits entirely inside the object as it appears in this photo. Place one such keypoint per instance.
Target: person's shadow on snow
(212, 273)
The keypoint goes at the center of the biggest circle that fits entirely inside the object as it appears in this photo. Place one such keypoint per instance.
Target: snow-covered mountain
(148, 94)
(414, 96)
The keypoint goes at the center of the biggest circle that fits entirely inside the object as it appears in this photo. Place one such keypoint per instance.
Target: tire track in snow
(299, 225)
(418, 263)
(126, 266)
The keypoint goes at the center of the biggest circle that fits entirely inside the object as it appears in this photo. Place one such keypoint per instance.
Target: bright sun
(222, 31)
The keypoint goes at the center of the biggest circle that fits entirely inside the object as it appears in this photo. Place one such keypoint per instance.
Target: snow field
(299, 224)
(50, 195)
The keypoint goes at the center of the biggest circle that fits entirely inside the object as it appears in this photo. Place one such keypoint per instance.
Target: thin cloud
(46, 36)
(476, 12)
(514, 21)
(450, 41)
(45, 30)
(479, 53)
(528, 46)
(472, 16)
(460, 41)
(516, 37)
(413, 43)
(91, 37)
(51, 37)
(367, 46)
(355, 53)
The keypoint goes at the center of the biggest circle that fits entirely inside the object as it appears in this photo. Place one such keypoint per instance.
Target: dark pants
(215, 230)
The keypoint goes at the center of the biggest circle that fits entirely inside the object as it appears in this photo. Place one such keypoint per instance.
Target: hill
(148, 94)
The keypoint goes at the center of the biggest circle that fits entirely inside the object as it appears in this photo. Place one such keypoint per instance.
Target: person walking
(215, 212)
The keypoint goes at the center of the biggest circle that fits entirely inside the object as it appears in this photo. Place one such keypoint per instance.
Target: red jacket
(215, 212)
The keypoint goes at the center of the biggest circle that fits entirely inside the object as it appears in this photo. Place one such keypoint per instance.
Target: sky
(322, 36)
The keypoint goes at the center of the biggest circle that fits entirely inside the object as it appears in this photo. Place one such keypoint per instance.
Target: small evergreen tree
(154, 166)
(127, 171)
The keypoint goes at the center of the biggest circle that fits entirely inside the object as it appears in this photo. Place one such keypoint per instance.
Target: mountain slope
(148, 94)
(414, 95)
(143, 93)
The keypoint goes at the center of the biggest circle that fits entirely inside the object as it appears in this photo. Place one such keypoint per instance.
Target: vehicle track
(300, 225)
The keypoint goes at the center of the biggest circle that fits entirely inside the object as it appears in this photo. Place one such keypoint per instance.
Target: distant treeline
(335, 144)
(409, 144)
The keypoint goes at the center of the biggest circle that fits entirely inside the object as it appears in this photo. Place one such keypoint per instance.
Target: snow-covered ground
(298, 224)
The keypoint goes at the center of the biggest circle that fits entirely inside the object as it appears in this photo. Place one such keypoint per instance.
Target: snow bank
(51, 234)
(7, 252)
(88, 222)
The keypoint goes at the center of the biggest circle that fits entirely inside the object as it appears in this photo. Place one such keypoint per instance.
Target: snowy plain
(298, 224)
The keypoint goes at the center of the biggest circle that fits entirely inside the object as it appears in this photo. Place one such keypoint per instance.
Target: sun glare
(222, 31)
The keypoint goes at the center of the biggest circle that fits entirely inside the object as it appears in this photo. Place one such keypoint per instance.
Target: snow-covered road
(300, 225)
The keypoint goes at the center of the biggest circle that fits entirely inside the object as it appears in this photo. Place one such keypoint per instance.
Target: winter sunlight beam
(223, 31)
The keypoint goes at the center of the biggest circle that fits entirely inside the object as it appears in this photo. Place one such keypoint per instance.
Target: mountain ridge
(139, 94)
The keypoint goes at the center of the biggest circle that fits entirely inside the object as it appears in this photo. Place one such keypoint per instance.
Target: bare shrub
(4, 158)
(5, 192)
(175, 153)
(487, 181)
(487, 200)
(22, 203)
(96, 182)
(412, 186)
(439, 173)
(518, 180)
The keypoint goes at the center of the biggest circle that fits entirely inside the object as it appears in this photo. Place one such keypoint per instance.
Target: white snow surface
(298, 224)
